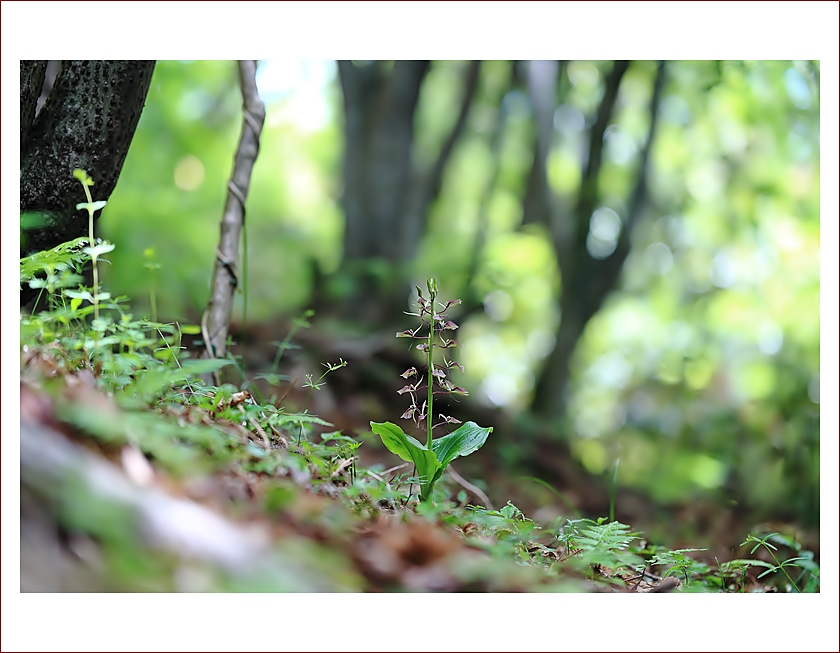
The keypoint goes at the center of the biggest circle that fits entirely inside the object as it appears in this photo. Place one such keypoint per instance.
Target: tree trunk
(87, 122)
(379, 112)
(32, 75)
(386, 197)
(586, 281)
(550, 390)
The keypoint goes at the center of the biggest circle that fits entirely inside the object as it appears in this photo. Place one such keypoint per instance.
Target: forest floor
(138, 476)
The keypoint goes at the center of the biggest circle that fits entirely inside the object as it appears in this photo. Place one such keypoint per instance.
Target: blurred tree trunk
(87, 122)
(386, 195)
(586, 281)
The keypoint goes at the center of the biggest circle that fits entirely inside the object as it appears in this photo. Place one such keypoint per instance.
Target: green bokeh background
(701, 371)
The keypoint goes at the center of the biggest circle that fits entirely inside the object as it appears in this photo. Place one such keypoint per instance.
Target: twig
(460, 480)
(258, 429)
(393, 469)
(665, 585)
(344, 464)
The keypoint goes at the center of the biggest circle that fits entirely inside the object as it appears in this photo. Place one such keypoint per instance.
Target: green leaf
(785, 540)
(769, 571)
(82, 176)
(279, 420)
(79, 294)
(396, 440)
(190, 329)
(146, 387)
(410, 450)
(807, 563)
(508, 511)
(164, 354)
(104, 248)
(463, 441)
(337, 436)
(203, 365)
(34, 219)
(149, 385)
(91, 206)
(605, 537)
(735, 564)
(60, 256)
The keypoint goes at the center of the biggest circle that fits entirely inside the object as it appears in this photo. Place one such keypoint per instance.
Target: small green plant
(613, 487)
(431, 459)
(317, 385)
(54, 268)
(152, 266)
(93, 249)
(273, 377)
(677, 562)
(804, 561)
(137, 360)
(508, 530)
(599, 543)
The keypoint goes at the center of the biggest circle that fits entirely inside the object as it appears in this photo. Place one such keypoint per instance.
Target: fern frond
(613, 536)
(671, 557)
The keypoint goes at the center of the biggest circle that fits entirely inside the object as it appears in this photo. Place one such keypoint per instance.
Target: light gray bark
(216, 319)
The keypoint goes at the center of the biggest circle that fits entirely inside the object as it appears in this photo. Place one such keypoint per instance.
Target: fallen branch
(52, 465)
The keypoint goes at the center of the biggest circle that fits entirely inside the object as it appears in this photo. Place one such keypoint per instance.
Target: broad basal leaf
(461, 442)
(409, 449)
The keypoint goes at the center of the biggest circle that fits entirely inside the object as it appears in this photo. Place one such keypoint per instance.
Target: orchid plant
(432, 458)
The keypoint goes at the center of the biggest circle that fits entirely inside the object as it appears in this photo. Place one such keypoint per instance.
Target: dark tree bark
(540, 205)
(586, 281)
(386, 196)
(427, 185)
(87, 122)
(470, 301)
(379, 112)
(32, 75)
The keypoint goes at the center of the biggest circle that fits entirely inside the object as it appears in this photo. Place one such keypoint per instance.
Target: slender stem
(153, 299)
(612, 490)
(782, 567)
(93, 255)
(430, 368)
